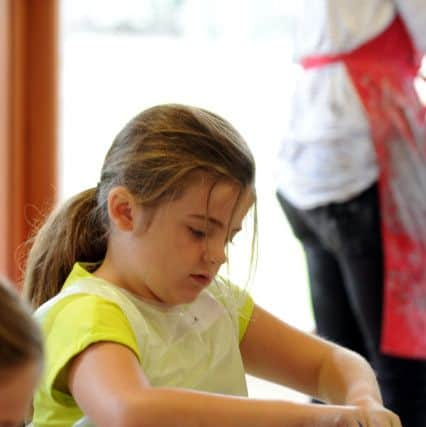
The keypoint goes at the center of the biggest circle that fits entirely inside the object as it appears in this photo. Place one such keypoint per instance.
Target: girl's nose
(215, 252)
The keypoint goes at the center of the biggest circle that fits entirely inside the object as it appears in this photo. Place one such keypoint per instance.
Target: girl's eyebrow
(213, 221)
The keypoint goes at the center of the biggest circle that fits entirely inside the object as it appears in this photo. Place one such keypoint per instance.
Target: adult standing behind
(352, 183)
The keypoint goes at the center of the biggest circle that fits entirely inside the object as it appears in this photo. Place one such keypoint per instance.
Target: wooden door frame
(28, 122)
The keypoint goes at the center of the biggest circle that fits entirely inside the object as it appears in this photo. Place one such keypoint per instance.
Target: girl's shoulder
(227, 293)
(71, 322)
(93, 303)
(236, 300)
(78, 319)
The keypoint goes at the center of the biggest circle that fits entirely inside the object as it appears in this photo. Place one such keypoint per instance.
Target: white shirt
(327, 154)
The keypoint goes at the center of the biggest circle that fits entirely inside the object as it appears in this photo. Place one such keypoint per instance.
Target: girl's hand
(377, 414)
(371, 414)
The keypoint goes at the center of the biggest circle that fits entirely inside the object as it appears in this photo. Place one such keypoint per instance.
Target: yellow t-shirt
(76, 321)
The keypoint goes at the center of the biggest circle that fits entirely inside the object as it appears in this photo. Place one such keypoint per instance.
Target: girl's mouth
(201, 279)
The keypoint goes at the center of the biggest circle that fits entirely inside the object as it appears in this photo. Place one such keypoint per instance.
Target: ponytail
(73, 232)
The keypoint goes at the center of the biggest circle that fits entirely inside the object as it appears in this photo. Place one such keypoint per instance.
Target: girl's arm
(275, 351)
(108, 384)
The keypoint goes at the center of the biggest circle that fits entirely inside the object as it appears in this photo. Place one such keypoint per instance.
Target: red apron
(383, 72)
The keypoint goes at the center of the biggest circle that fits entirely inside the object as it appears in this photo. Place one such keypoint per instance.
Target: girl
(140, 330)
(20, 357)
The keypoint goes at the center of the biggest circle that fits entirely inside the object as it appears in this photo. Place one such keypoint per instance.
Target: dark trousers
(342, 244)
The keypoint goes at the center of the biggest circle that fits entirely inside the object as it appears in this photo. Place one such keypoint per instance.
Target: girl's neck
(108, 272)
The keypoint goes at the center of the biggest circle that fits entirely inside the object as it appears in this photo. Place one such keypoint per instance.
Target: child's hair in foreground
(20, 337)
(152, 157)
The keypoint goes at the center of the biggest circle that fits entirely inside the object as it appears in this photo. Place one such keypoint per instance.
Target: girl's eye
(199, 234)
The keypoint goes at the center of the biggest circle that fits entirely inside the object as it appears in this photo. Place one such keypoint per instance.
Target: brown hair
(151, 157)
(20, 337)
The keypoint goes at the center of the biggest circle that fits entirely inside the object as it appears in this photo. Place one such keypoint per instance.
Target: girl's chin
(187, 297)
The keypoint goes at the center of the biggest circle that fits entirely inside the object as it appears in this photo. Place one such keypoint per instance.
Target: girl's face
(182, 249)
(16, 392)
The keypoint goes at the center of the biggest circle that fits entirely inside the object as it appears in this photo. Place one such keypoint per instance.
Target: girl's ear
(121, 208)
